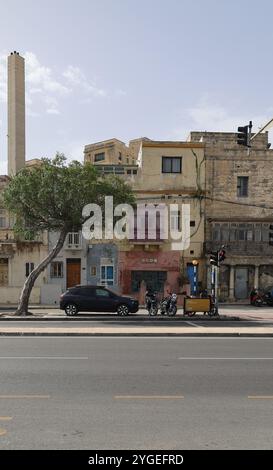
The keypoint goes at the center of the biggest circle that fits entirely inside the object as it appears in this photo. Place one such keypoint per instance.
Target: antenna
(263, 129)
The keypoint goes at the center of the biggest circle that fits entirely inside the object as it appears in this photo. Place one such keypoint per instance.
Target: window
(134, 172)
(4, 272)
(99, 157)
(242, 186)
(74, 240)
(56, 269)
(3, 220)
(107, 275)
(93, 270)
(102, 293)
(192, 223)
(87, 292)
(120, 156)
(216, 233)
(258, 233)
(171, 164)
(175, 220)
(29, 268)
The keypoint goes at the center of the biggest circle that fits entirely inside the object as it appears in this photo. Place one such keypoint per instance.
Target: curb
(130, 318)
(203, 334)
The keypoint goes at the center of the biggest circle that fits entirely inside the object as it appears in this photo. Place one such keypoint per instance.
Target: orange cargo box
(197, 305)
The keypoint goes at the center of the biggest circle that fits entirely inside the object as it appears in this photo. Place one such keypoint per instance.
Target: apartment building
(238, 210)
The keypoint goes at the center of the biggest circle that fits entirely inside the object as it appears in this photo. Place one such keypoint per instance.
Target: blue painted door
(192, 272)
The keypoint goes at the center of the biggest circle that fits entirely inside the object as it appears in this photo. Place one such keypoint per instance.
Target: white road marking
(148, 397)
(46, 357)
(227, 358)
(24, 396)
(194, 324)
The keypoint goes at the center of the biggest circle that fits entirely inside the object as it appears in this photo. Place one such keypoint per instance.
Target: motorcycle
(173, 305)
(257, 299)
(151, 303)
(168, 306)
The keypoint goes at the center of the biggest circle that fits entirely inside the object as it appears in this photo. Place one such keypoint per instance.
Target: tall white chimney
(16, 113)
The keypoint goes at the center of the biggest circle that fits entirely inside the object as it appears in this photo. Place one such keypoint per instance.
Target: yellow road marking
(149, 397)
(260, 397)
(2, 431)
(24, 396)
(5, 418)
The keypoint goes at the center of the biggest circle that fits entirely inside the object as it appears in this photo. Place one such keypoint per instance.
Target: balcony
(73, 241)
(247, 248)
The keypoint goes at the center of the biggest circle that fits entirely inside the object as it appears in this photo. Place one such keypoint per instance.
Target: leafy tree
(51, 196)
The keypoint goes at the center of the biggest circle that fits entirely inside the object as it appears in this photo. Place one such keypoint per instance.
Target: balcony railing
(248, 248)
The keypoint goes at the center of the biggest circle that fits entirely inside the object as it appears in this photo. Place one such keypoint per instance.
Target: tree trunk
(22, 308)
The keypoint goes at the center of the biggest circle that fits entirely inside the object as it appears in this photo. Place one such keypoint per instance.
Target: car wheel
(123, 310)
(71, 310)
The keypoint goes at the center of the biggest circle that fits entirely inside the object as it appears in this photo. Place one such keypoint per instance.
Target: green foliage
(51, 196)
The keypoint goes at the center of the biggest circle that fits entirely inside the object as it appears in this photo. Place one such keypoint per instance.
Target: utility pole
(215, 259)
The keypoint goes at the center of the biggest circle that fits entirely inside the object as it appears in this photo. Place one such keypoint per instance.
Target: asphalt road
(136, 393)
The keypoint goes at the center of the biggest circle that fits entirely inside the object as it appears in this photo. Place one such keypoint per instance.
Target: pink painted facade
(137, 263)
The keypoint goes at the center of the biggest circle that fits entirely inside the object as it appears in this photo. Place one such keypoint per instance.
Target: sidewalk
(232, 311)
(46, 321)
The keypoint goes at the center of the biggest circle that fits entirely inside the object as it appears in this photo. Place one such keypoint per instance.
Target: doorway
(153, 279)
(241, 283)
(73, 272)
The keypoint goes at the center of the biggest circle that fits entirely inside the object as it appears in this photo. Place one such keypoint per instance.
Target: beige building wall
(14, 254)
(239, 222)
(16, 113)
(187, 187)
(151, 185)
(108, 152)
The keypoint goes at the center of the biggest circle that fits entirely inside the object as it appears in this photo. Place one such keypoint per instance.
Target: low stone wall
(10, 295)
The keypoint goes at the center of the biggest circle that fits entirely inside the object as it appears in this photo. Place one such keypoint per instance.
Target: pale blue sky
(98, 69)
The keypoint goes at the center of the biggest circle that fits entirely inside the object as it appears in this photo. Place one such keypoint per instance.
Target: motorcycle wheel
(172, 312)
(153, 311)
(212, 312)
(258, 303)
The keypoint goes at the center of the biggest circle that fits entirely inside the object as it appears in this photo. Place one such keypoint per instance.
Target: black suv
(96, 299)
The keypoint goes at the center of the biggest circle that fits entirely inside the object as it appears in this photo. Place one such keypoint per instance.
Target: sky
(97, 69)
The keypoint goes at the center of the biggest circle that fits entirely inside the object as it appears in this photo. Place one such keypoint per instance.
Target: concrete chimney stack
(16, 113)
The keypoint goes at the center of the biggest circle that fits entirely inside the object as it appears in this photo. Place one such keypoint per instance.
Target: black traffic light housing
(270, 235)
(213, 258)
(221, 255)
(244, 134)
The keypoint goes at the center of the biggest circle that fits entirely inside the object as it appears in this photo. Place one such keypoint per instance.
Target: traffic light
(270, 235)
(222, 255)
(242, 136)
(213, 259)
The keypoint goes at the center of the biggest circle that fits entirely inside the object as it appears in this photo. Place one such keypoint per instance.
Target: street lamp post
(195, 264)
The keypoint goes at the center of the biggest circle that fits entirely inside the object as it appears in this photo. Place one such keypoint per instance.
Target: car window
(102, 293)
(87, 292)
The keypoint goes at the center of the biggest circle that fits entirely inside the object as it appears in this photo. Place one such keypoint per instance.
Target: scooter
(257, 299)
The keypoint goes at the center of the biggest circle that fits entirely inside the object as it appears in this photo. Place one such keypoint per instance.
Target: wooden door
(73, 272)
